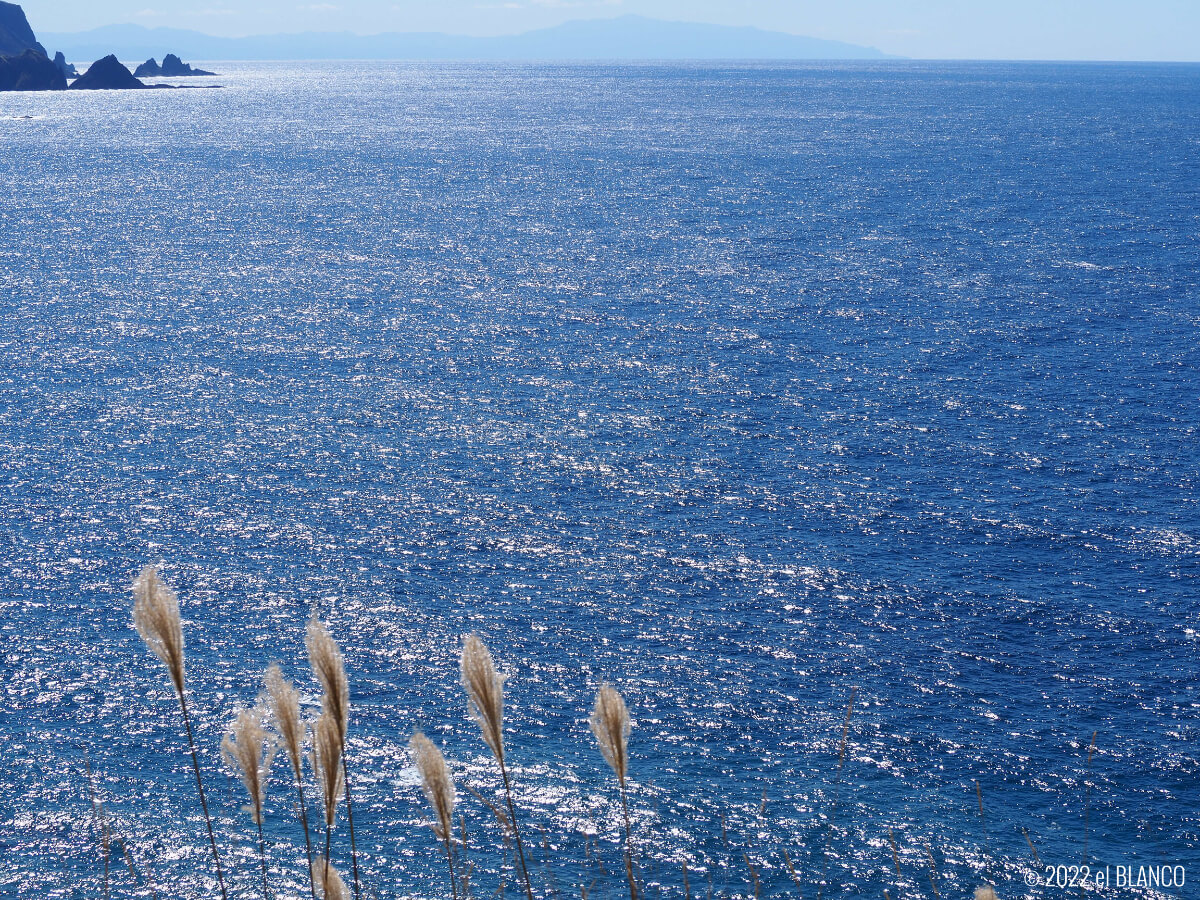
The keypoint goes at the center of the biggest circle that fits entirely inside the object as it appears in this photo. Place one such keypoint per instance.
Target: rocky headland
(15, 34)
(25, 65)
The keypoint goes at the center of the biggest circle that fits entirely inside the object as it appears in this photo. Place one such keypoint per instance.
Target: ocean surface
(750, 389)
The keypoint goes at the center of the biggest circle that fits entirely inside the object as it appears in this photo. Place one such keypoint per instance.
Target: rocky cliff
(30, 71)
(15, 34)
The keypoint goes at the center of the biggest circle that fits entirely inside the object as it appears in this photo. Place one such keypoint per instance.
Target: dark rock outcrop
(15, 34)
(65, 67)
(106, 75)
(31, 71)
(174, 67)
(149, 69)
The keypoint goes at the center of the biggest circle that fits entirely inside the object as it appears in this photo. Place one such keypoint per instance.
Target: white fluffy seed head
(328, 881)
(284, 703)
(485, 693)
(436, 781)
(327, 764)
(249, 749)
(325, 657)
(610, 725)
(156, 618)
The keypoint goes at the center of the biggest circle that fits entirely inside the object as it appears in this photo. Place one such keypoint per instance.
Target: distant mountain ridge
(622, 38)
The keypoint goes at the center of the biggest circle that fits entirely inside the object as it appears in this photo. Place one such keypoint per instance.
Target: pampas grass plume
(332, 886)
(327, 764)
(156, 618)
(485, 702)
(284, 702)
(249, 749)
(436, 781)
(610, 725)
(485, 693)
(325, 657)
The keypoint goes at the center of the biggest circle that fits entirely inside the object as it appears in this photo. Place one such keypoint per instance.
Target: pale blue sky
(979, 29)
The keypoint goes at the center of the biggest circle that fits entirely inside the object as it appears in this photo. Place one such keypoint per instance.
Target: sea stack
(174, 67)
(149, 69)
(65, 67)
(106, 75)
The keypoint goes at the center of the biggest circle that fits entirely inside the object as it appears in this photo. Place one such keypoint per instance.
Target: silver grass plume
(325, 657)
(327, 764)
(610, 725)
(438, 785)
(284, 702)
(156, 618)
(249, 749)
(987, 892)
(332, 886)
(485, 693)
(330, 670)
(436, 781)
(485, 702)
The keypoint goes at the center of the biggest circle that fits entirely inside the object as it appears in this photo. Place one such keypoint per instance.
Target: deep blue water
(742, 387)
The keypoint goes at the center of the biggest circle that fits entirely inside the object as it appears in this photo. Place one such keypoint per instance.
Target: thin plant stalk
(326, 658)
(350, 819)
(467, 866)
(98, 821)
(450, 864)
(312, 886)
(512, 817)
(792, 872)
(262, 858)
(485, 702)
(249, 750)
(284, 701)
(133, 870)
(156, 618)
(330, 775)
(1087, 805)
(633, 891)
(837, 791)
(987, 843)
(1037, 859)
(212, 840)
(438, 785)
(610, 725)
(933, 873)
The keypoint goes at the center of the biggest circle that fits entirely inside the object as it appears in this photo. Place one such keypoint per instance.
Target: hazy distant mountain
(627, 37)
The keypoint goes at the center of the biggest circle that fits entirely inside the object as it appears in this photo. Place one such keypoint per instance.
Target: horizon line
(883, 55)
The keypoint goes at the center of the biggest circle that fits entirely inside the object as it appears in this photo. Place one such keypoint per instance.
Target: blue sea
(763, 392)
